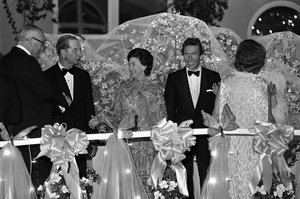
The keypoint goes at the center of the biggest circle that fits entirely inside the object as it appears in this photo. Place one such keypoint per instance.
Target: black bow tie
(65, 71)
(193, 72)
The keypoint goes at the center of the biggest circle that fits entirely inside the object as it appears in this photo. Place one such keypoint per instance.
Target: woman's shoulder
(244, 79)
(152, 85)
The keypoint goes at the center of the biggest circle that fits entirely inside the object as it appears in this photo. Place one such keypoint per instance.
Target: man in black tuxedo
(35, 94)
(10, 106)
(187, 92)
(76, 83)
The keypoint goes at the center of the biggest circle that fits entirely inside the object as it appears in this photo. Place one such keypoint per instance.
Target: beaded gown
(140, 103)
(246, 95)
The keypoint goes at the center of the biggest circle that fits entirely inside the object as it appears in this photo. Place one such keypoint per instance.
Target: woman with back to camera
(249, 98)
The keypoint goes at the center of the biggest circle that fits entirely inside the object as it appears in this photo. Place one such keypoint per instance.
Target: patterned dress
(140, 102)
(246, 95)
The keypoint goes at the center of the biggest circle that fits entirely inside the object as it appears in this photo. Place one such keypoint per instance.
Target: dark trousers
(82, 165)
(38, 169)
(201, 151)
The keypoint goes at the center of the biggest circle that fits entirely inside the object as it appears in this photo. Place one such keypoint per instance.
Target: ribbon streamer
(61, 146)
(171, 142)
(270, 141)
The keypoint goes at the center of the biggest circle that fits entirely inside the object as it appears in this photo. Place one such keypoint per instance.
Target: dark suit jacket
(82, 107)
(10, 106)
(178, 98)
(32, 87)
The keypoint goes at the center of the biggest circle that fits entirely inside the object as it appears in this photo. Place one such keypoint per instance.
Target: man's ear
(63, 52)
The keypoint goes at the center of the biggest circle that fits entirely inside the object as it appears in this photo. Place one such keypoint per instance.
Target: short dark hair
(63, 42)
(192, 42)
(145, 58)
(250, 56)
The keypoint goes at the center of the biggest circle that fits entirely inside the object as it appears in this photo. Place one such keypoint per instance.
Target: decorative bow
(227, 122)
(61, 146)
(171, 142)
(270, 141)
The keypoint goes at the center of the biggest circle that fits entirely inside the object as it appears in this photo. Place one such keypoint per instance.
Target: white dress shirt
(194, 84)
(70, 80)
(23, 48)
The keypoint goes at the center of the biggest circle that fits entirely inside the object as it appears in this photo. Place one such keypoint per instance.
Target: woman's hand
(94, 122)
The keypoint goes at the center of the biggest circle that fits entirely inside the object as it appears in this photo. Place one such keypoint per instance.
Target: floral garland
(228, 44)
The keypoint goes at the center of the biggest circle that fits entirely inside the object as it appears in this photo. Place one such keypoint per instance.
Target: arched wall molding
(113, 14)
(266, 7)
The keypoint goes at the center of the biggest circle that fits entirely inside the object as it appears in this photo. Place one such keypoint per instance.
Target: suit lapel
(186, 90)
(61, 81)
(202, 87)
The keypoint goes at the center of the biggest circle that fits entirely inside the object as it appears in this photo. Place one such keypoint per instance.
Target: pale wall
(6, 35)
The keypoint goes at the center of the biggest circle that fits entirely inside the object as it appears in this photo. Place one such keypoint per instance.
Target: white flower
(157, 195)
(163, 184)
(261, 190)
(65, 189)
(40, 188)
(173, 185)
(289, 187)
(279, 190)
(53, 195)
(85, 180)
(56, 177)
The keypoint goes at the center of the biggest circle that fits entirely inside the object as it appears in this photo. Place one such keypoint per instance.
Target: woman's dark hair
(192, 42)
(145, 58)
(250, 56)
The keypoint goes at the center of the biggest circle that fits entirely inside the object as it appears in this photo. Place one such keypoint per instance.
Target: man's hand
(68, 99)
(92, 150)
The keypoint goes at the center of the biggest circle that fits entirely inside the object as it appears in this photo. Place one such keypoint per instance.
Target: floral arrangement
(171, 141)
(278, 190)
(282, 47)
(168, 187)
(61, 146)
(274, 142)
(60, 190)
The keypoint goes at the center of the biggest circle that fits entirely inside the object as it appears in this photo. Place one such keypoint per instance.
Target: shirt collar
(199, 69)
(23, 48)
(60, 66)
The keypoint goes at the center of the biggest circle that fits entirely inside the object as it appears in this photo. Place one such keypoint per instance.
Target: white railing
(136, 134)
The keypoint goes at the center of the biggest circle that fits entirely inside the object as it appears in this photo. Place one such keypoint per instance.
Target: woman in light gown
(139, 105)
(247, 95)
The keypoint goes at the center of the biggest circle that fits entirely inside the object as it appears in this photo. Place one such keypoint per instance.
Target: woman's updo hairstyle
(250, 56)
(145, 58)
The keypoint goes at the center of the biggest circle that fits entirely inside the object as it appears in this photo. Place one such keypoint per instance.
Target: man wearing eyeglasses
(35, 93)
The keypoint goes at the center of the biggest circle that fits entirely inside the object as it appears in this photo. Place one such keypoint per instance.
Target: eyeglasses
(42, 42)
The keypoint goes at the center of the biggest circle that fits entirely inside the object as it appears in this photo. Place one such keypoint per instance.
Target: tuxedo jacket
(33, 89)
(178, 98)
(10, 106)
(82, 107)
